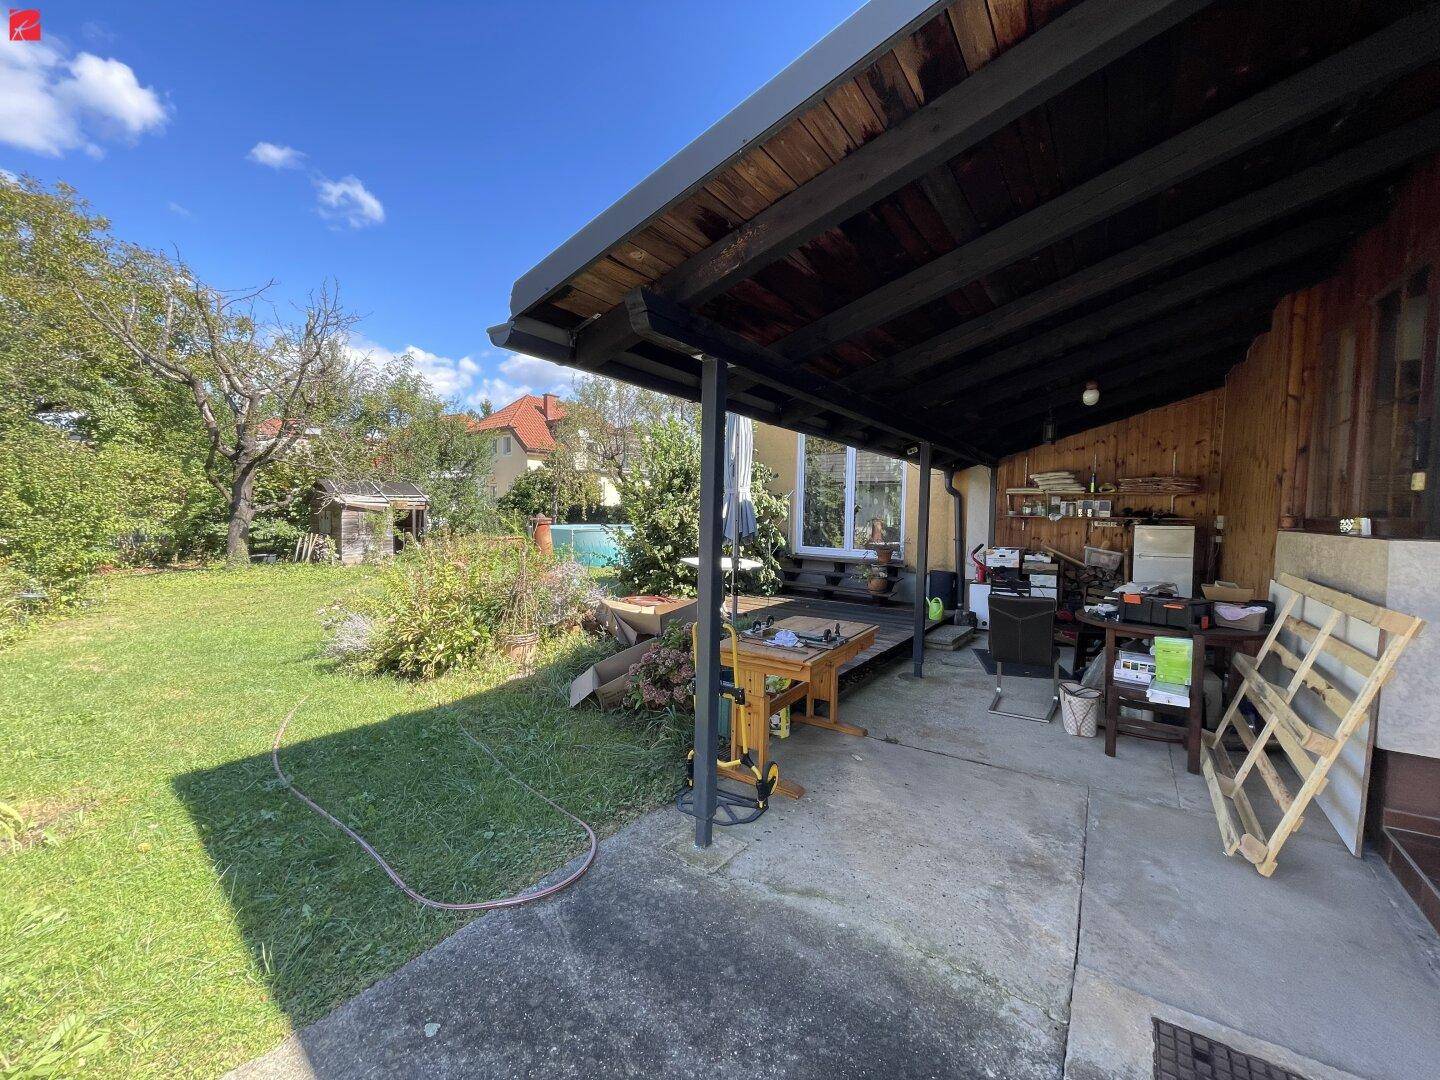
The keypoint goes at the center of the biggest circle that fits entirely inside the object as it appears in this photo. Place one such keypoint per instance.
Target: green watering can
(934, 609)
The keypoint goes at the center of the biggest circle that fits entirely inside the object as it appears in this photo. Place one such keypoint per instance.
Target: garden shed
(368, 518)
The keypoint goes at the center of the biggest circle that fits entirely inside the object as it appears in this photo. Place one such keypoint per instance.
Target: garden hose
(368, 848)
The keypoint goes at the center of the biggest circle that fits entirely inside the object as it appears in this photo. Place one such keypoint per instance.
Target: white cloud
(348, 202)
(178, 210)
(52, 103)
(469, 380)
(275, 156)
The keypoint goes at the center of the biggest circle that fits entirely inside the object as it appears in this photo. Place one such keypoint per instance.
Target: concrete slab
(920, 913)
(947, 712)
(1112, 1037)
(974, 866)
(808, 953)
(1318, 959)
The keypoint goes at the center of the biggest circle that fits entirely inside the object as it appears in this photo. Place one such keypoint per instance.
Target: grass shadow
(319, 917)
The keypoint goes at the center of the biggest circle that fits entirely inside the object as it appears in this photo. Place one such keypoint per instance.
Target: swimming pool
(591, 545)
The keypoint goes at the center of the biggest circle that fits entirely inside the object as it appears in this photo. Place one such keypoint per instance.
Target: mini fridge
(1165, 553)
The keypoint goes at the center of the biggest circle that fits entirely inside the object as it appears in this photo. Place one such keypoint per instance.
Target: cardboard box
(1227, 592)
(634, 618)
(608, 680)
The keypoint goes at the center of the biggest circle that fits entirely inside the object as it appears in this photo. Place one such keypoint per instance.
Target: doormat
(1184, 1055)
(1019, 671)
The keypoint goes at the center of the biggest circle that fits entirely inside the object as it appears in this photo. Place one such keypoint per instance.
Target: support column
(711, 592)
(922, 562)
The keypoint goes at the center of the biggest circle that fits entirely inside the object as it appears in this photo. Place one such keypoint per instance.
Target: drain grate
(1184, 1055)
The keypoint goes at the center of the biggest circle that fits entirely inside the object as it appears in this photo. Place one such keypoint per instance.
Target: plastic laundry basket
(1079, 709)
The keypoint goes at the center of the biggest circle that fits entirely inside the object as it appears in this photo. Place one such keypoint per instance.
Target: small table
(1217, 637)
(818, 668)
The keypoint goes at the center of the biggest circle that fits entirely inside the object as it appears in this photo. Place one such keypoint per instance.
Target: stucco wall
(507, 467)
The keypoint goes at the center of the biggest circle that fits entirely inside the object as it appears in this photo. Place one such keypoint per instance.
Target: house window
(1373, 452)
(849, 499)
(504, 445)
(1397, 431)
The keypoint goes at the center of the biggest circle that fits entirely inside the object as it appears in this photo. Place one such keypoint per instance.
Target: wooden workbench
(817, 668)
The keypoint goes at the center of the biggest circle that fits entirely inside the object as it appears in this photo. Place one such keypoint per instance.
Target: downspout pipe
(950, 475)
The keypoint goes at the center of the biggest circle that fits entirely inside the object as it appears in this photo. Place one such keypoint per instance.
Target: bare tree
(257, 385)
(611, 417)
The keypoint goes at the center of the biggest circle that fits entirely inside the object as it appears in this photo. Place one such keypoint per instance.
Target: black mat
(1184, 1055)
(1019, 671)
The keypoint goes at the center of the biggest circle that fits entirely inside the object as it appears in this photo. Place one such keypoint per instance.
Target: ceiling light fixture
(1047, 432)
(1091, 396)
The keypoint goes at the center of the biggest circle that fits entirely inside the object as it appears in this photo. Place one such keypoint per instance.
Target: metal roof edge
(852, 45)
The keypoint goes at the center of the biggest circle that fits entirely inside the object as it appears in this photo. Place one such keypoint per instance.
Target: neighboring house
(525, 438)
(844, 502)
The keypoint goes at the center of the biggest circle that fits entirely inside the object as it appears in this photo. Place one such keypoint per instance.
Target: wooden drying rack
(1311, 752)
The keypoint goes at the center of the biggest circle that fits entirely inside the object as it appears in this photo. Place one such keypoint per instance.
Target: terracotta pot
(541, 534)
(883, 555)
(878, 585)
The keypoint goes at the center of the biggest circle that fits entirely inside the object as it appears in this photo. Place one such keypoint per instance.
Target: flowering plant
(664, 676)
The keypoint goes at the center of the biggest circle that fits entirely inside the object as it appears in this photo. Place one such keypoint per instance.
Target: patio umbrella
(739, 510)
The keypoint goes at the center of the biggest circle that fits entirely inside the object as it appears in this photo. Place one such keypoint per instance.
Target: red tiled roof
(529, 417)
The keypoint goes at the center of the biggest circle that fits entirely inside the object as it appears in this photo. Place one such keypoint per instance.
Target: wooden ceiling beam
(1012, 371)
(1345, 171)
(1054, 58)
(1304, 240)
(664, 322)
(1130, 402)
(1375, 62)
(1065, 391)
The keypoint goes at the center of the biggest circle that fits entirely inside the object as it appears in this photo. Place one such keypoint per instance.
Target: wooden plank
(981, 383)
(666, 323)
(1276, 252)
(1229, 830)
(1353, 606)
(1365, 66)
(1336, 701)
(1066, 51)
(1290, 731)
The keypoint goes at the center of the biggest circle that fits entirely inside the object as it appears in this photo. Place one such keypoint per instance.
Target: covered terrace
(928, 234)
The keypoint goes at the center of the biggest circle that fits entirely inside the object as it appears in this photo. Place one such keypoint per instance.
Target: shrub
(664, 676)
(64, 505)
(442, 604)
(660, 497)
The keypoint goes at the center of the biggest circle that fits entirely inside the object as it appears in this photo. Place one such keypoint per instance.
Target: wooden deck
(892, 639)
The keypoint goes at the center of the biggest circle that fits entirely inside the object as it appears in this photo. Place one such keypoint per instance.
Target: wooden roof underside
(1014, 198)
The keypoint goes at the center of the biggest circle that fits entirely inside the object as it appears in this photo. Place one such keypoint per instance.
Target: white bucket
(1080, 709)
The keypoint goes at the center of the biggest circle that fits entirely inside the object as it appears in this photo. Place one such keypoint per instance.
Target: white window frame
(505, 445)
(849, 515)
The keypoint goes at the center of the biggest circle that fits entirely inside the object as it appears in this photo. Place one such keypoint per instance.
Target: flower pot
(883, 555)
(520, 647)
(878, 586)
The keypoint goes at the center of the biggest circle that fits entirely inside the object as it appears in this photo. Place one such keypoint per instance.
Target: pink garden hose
(368, 848)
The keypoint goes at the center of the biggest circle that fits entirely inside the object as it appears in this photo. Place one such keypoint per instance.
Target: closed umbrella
(739, 507)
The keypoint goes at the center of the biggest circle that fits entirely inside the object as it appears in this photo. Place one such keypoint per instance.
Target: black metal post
(922, 562)
(951, 474)
(707, 668)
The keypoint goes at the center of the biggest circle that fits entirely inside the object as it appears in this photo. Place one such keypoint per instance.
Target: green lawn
(172, 911)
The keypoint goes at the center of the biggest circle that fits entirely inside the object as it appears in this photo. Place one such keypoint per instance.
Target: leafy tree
(60, 370)
(241, 372)
(393, 426)
(555, 489)
(660, 497)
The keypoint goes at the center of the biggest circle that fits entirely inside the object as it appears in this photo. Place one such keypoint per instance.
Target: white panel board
(1409, 718)
(1343, 797)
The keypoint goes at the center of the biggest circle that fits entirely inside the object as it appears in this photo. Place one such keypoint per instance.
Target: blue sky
(435, 151)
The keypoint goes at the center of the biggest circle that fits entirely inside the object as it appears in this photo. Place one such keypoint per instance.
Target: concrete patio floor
(979, 897)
